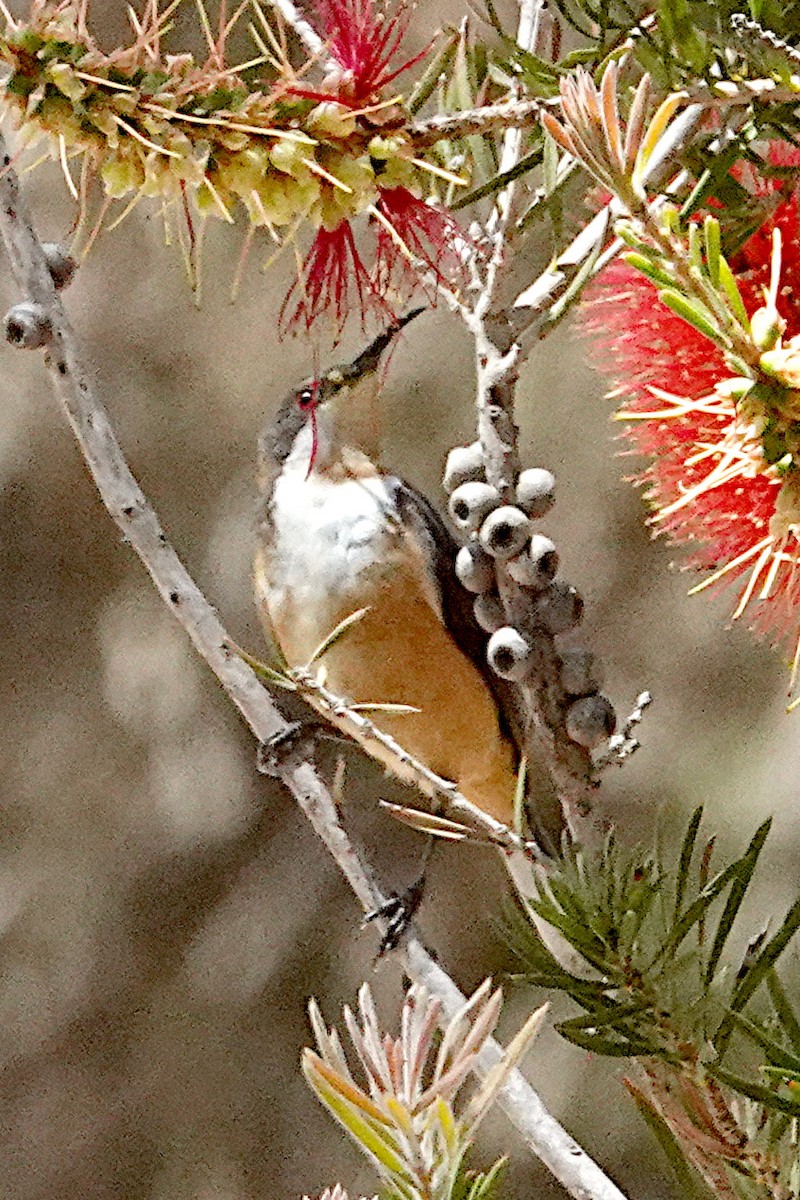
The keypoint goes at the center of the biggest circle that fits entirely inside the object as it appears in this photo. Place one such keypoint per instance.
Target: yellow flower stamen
(288, 135)
(220, 203)
(439, 172)
(139, 137)
(318, 170)
(62, 154)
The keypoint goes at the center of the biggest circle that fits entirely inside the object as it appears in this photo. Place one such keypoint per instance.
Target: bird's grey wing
(421, 518)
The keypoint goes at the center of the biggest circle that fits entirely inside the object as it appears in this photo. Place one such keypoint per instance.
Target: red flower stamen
(363, 39)
(333, 280)
(711, 480)
(415, 232)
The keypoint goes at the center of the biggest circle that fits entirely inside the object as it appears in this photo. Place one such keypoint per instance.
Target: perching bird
(338, 533)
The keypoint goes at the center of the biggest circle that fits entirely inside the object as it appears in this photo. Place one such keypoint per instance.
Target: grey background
(164, 911)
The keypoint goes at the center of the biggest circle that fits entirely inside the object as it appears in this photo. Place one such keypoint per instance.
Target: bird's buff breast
(332, 549)
(336, 548)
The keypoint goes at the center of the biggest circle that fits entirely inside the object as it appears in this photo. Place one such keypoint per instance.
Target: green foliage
(666, 988)
(480, 1185)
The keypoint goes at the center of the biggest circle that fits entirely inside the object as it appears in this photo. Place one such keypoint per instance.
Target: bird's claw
(397, 912)
(289, 746)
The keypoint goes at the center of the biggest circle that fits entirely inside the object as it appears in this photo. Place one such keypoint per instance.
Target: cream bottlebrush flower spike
(225, 140)
(406, 1118)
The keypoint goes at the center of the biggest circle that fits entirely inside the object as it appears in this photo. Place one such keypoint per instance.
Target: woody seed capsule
(559, 608)
(505, 531)
(475, 568)
(537, 565)
(581, 673)
(489, 612)
(510, 656)
(60, 263)
(471, 503)
(28, 325)
(464, 465)
(590, 721)
(535, 491)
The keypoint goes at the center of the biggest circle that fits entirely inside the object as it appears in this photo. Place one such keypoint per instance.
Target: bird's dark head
(324, 414)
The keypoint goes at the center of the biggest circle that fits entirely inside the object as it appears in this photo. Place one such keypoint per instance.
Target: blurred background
(165, 912)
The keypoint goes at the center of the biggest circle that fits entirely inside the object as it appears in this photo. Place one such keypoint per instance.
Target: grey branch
(364, 731)
(130, 509)
(497, 361)
(506, 115)
(303, 28)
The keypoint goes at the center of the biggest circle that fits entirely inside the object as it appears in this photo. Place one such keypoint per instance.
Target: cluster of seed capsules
(502, 537)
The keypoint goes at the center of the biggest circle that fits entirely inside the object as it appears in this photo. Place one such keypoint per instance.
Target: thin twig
(131, 511)
(515, 113)
(364, 731)
(303, 28)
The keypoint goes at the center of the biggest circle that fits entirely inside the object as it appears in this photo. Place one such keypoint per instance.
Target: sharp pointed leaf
(685, 860)
(783, 1009)
(693, 313)
(736, 896)
(619, 1047)
(689, 1184)
(777, 1055)
(732, 293)
(697, 909)
(711, 233)
(335, 634)
(758, 970)
(756, 1091)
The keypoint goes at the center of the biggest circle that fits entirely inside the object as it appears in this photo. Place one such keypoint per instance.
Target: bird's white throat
(329, 538)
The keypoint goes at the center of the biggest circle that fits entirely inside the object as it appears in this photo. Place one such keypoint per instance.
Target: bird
(336, 534)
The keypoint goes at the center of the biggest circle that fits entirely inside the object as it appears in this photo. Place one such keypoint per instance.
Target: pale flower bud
(766, 326)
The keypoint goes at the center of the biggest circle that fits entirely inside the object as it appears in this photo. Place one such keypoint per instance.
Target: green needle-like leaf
(486, 1183)
(689, 1184)
(777, 1055)
(732, 293)
(659, 274)
(582, 276)
(783, 1009)
(756, 1091)
(438, 67)
(711, 233)
(694, 314)
(757, 973)
(620, 1047)
(491, 186)
(685, 860)
(697, 909)
(736, 896)
(263, 670)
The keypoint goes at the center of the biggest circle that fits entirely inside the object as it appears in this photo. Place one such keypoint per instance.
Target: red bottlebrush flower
(363, 39)
(334, 281)
(714, 478)
(412, 236)
(410, 229)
